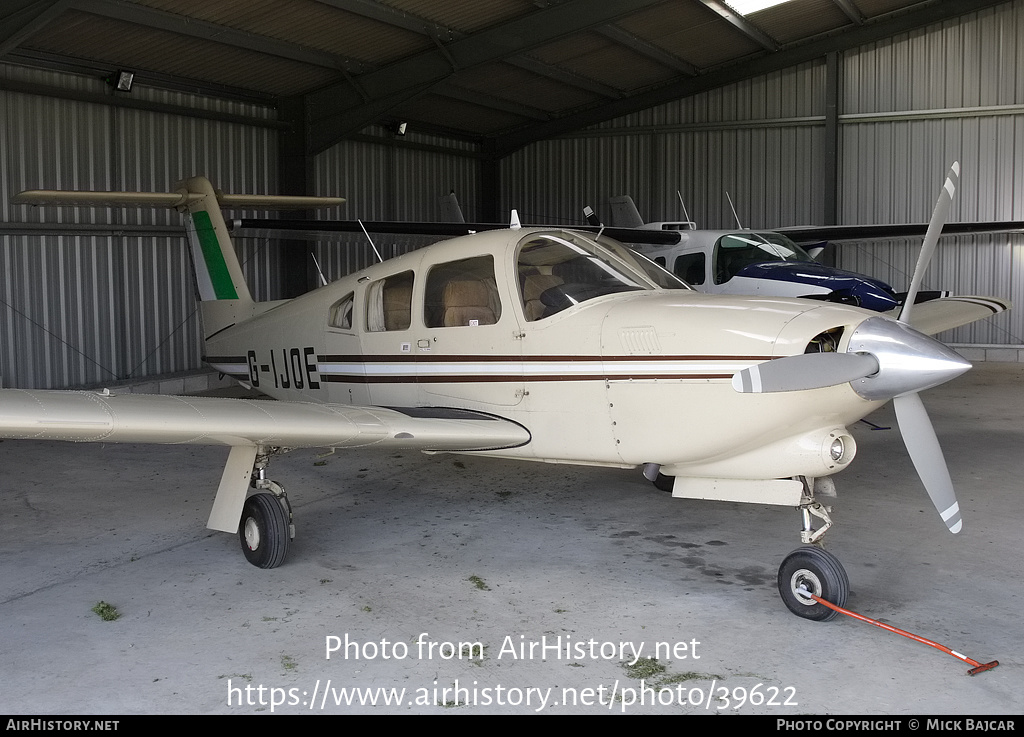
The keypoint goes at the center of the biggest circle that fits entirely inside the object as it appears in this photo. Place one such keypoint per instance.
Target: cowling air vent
(826, 342)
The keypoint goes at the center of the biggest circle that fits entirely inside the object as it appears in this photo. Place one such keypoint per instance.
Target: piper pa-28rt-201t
(544, 344)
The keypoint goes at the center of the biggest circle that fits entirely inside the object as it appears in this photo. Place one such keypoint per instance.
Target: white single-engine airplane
(544, 344)
(780, 262)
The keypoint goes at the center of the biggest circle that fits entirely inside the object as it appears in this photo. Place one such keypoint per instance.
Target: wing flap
(947, 313)
(143, 418)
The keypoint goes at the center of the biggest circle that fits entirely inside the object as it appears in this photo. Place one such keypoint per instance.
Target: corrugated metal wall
(381, 181)
(89, 309)
(758, 140)
(80, 310)
(909, 106)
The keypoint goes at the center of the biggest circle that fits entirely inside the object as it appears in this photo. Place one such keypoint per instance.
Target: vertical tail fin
(218, 272)
(624, 212)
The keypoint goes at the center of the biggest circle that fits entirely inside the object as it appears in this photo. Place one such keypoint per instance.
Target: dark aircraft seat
(579, 270)
(535, 285)
(467, 300)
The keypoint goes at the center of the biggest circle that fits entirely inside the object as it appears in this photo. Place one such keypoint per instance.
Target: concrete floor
(392, 545)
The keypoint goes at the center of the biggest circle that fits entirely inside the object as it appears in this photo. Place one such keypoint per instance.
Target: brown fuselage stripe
(489, 378)
(435, 358)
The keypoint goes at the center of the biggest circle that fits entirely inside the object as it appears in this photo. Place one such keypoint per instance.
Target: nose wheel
(811, 569)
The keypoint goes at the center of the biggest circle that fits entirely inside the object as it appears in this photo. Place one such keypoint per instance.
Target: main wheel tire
(819, 572)
(264, 531)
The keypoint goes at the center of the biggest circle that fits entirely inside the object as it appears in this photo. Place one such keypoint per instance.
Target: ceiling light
(746, 7)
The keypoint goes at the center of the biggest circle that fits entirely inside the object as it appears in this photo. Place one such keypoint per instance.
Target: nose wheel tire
(812, 569)
(264, 531)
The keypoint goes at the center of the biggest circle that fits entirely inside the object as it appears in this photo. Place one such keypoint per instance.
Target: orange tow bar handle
(978, 667)
(982, 667)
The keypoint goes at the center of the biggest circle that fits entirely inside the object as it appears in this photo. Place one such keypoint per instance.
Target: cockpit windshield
(560, 269)
(737, 250)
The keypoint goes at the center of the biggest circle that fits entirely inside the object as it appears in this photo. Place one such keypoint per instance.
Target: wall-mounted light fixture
(121, 80)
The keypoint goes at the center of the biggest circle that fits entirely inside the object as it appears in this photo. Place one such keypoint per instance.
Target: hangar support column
(830, 157)
(294, 171)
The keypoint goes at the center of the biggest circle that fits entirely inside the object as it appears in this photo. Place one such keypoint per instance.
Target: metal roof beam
(744, 26)
(393, 17)
(489, 101)
(852, 11)
(561, 75)
(416, 24)
(627, 39)
(20, 19)
(851, 37)
(338, 110)
(193, 28)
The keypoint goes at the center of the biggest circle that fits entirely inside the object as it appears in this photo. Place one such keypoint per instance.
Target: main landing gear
(266, 530)
(810, 568)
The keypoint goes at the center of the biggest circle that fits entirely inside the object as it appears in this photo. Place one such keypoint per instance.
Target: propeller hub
(908, 361)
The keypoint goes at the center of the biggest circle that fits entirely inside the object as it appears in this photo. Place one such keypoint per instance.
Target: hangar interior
(810, 112)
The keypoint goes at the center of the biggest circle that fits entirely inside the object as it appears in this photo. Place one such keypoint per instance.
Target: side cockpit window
(462, 293)
(559, 270)
(389, 303)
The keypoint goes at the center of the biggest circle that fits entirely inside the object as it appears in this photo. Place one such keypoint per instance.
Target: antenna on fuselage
(379, 257)
(686, 215)
(593, 219)
(323, 280)
(734, 215)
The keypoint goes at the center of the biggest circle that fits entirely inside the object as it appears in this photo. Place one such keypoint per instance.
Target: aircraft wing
(947, 313)
(321, 228)
(248, 427)
(146, 418)
(809, 233)
(799, 234)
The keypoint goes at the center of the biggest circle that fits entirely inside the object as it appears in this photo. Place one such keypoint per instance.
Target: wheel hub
(802, 582)
(252, 534)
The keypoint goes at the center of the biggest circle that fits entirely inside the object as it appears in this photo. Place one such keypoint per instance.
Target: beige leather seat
(467, 300)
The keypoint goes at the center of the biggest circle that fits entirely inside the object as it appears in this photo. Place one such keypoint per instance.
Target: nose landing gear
(811, 568)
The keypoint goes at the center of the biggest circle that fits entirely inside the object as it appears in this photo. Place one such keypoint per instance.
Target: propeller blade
(804, 371)
(931, 237)
(919, 437)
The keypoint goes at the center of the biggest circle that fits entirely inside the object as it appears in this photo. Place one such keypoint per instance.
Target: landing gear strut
(811, 568)
(266, 530)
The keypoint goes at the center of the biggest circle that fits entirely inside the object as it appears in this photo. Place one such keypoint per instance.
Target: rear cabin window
(389, 303)
(341, 313)
(462, 293)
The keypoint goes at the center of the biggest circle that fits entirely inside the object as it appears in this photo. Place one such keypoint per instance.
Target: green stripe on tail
(213, 257)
